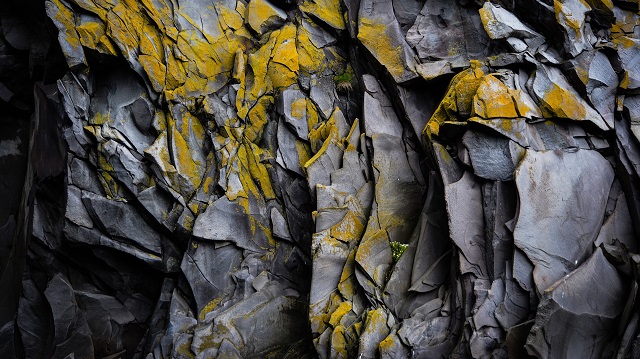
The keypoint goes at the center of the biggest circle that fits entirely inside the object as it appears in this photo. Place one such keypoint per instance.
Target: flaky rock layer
(319, 178)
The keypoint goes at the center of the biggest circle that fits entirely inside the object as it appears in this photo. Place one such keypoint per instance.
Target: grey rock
(72, 333)
(292, 179)
(388, 47)
(573, 300)
(490, 156)
(208, 270)
(224, 221)
(573, 217)
(122, 221)
(502, 24)
(464, 211)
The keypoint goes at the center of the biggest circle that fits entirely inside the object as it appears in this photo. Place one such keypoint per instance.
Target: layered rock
(320, 178)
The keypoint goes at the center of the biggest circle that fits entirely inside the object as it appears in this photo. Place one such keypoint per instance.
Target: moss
(328, 11)
(397, 249)
(346, 76)
(344, 81)
(209, 307)
(185, 349)
(374, 35)
(341, 311)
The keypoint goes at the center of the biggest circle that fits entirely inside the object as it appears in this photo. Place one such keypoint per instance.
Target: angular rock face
(319, 178)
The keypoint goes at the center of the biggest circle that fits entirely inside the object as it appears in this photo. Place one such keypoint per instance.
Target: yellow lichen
(209, 307)
(258, 12)
(559, 102)
(373, 35)
(299, 107)
(328, 11)
(309, 56)
(343, 308)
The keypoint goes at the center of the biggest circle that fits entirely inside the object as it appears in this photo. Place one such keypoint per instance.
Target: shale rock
(319, 178)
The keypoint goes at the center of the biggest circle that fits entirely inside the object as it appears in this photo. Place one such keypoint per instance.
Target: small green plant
(346, 76)
(344, 80)
(397, 249)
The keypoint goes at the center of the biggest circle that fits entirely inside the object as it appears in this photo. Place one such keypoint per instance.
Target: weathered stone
(263, 16)
(292, 179)
(558, 99)
(572, 215)
(574, 300)
(379, 31)
(502, 24)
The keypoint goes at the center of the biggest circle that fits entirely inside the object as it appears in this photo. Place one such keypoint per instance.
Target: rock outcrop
(320, 178)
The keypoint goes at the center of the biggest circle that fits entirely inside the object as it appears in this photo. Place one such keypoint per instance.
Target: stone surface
(319, 179)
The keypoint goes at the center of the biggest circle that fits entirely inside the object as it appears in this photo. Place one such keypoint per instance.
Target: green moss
(345, 77)
(397, 249)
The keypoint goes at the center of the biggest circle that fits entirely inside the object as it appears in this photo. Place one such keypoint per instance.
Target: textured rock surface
(319, 178)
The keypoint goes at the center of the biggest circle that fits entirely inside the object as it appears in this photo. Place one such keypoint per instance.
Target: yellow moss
(109, 183)
(183, 161)
(487, 21)
(304, 152)
(185, 349)
(626, 81)
(310, 58)
(259, 171)
(208, 185)
(343, 308)
(339, 345)
(209, 307)
(358, 328)
(328, 11)
(348, 285)
(560, 103)
(349, 229)
(260, 83)
(210, 61)
(155, 70)
(317, 136)
(92, 35)
(285, 54)
(299, 107)
(258, 118)
(123, 26)
(386, 344)
(312, 114)
(458, 99)
(493, 99)
(466, 88)
(373, 35)
(231, 17)
(258, 12)
(162, 16)
(99, 119)
(66, 17)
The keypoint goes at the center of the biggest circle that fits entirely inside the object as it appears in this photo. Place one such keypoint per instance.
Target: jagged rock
(263, 16)
(502, 24)
(558, 99)
(379, 31)
(573, 300)
(319, 178)
(72, 334)
(579, 182)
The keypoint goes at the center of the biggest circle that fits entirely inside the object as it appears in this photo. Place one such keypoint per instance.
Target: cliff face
(319, 178)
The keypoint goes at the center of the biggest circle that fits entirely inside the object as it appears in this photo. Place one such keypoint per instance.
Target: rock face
(319, 178)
